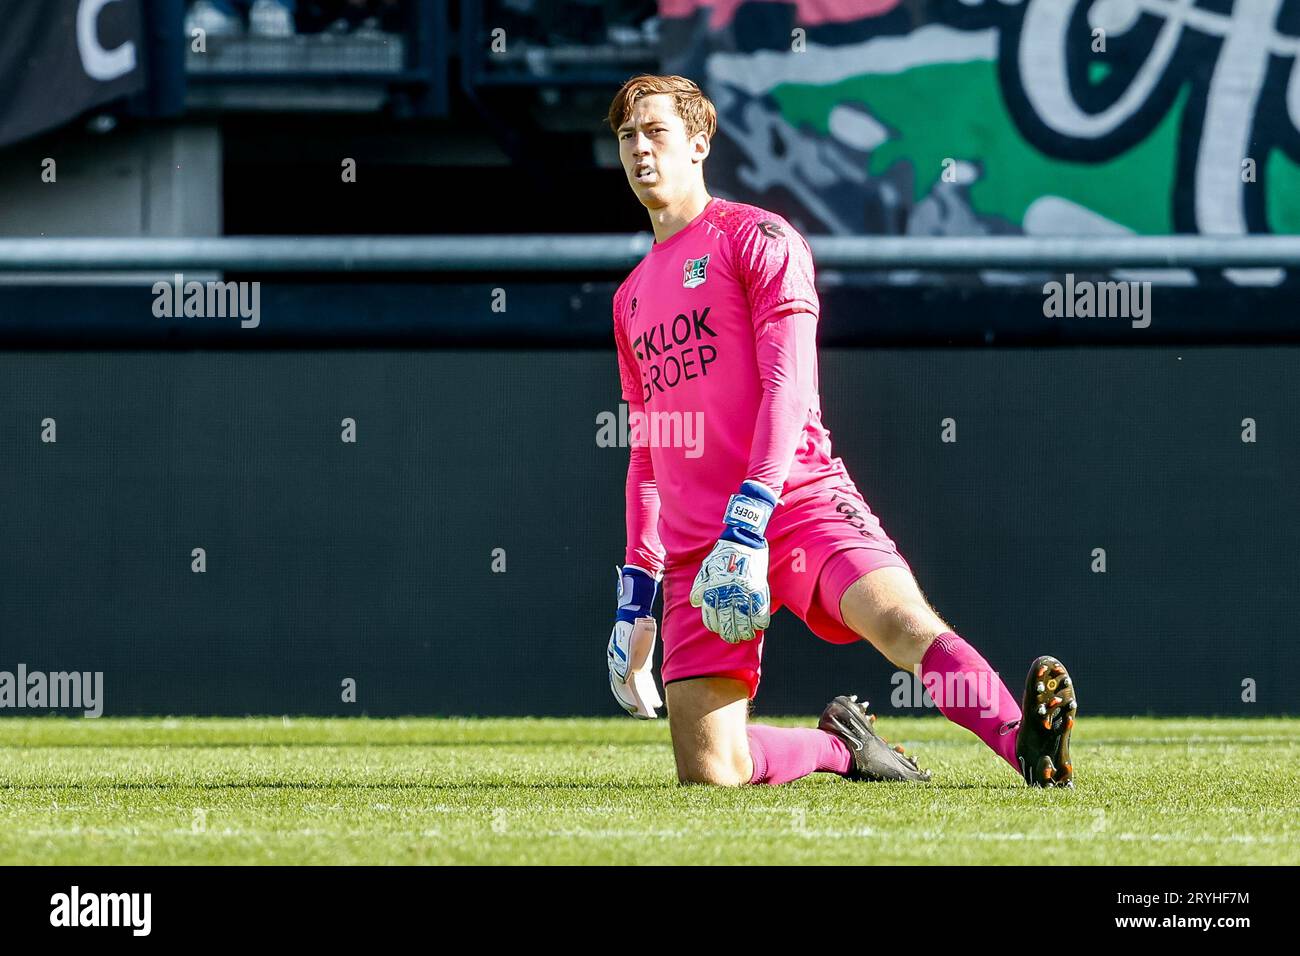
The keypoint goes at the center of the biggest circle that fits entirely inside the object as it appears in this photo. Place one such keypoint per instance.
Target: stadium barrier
(1109, 505)
(1100, 504)
(568, 253)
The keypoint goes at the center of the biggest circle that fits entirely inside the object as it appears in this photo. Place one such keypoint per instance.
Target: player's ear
(702, 147)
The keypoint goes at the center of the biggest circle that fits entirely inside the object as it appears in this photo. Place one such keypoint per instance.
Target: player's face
(660, 162)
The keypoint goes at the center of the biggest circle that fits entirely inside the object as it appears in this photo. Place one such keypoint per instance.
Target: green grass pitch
(417, 790)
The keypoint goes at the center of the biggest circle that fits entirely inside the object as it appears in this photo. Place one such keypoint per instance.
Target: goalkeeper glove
(732, 584)
(632, 644)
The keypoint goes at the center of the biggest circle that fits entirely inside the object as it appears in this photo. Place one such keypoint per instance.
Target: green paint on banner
(1282, 201)
(956, 110)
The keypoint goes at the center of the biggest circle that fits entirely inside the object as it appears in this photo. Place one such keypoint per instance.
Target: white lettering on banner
(1249, 40)
(100, 64)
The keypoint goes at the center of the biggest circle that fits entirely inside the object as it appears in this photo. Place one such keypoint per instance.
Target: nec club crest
(693, 273)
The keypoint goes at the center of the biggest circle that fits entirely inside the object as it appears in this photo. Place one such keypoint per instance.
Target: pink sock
(970, 693)
(782, 754)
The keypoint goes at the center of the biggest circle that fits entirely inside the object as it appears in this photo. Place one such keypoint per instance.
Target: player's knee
(908, 627)
(707, 720)
(718, 776)
(714, 768)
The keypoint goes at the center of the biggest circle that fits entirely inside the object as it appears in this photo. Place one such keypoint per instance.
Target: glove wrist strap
(636, 592)
(748, 513)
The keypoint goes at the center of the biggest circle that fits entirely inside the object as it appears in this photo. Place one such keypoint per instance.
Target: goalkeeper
(719, 322)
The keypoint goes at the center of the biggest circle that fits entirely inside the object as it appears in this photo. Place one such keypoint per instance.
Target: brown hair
(696, 110)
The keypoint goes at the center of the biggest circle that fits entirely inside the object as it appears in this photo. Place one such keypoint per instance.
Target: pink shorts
(819, 544)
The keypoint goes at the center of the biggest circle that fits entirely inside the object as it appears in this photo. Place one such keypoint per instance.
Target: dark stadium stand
(363, 55)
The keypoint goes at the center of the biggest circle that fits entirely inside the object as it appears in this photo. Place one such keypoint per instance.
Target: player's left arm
(786, 348)
(775, 264)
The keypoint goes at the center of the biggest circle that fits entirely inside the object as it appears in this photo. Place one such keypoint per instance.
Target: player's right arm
(641, 499)
(630, 652)
(641, 494)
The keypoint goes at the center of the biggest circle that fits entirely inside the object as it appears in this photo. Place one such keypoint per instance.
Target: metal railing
(569, 253)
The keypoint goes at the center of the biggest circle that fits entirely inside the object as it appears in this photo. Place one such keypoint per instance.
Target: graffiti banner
(59, 58)
(979, 117)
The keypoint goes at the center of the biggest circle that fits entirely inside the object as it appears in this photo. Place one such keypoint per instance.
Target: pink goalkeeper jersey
(716, 335)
